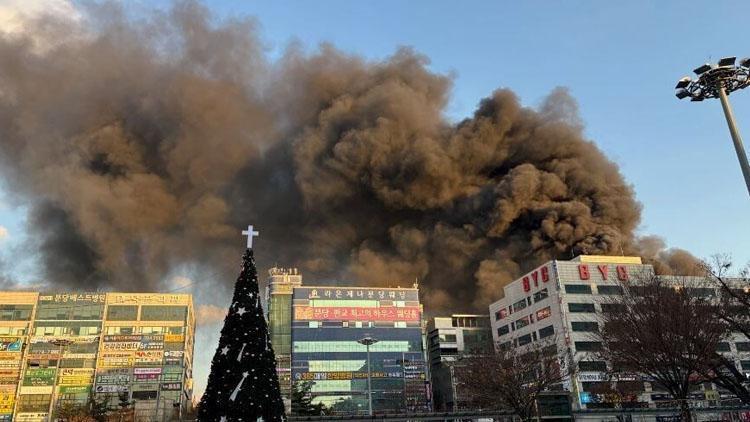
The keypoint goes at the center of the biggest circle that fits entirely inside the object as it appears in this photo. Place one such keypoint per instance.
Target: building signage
(73, 297)
(173, 354)
(8, 380)
(319, 376)
(174, 338)
(147, 298)
(147, 357)
(111, 388)
(75, 389)
(540, 275)
(584, 272)
(79, 356)
(6, 401)
(39, 389)
(131, 345)
(112, 379)
(32, 416)
(144, 377)
(76, 376)
(10, 344)
(355, 293)
(305, 313)
(172, 386)
(60, 339)
(146, 371)
(592, 377)
(39, 376)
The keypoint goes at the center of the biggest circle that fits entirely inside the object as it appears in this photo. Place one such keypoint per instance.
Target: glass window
(543, 313)
(723, 347)
(448, 338)
(541, 295)
(743, 346)
(546, 331)
(519, 305)
(122, 312)
(588, 346)
(15, 312)
(609, 290)
(502, 313)
(523, 340)
(579, 289)
(501, 331)
(592, 365)
(745, 364)
(581, 307)
(33, 402)
(522, 322)
(585, 326)
(163, 313)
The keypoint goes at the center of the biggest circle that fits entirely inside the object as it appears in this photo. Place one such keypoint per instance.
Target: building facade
(449, 338)
(65, 348)
(326, 326)
(278, 296)
(560, 301)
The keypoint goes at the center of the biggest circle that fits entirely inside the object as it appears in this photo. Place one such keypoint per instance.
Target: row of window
(522, 304)
(143, 330)
(590, 308)
(742, 346)
(585, 289)
(601, 366)
(528, 338)
(524, 321)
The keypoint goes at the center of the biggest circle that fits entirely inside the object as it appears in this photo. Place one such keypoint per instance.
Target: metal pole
(738, 147)
(369, 381)
(453, 388)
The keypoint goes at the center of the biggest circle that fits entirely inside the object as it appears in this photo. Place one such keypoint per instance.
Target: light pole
(367, 341)
(718, 81)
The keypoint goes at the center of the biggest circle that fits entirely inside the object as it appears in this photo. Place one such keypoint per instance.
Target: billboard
(39, 377)
(76, 376)
(356, 293)
(307, 313)
(10, 344)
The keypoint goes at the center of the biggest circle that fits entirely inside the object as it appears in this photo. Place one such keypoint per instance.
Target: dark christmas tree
(243, 385)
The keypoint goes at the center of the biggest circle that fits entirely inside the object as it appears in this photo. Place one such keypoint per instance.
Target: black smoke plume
(143, 146)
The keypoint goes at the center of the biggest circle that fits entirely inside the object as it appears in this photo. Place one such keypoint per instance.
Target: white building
(560, 300)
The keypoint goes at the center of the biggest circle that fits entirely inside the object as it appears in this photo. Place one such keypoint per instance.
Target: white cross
(250, 233)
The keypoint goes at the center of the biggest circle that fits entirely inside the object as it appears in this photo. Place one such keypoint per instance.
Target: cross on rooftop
(250, 233)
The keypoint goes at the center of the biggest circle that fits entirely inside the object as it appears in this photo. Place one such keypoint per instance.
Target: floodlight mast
(718, 81)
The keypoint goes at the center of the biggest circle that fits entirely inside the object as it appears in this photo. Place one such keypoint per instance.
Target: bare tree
(513, 378)
(664, 330)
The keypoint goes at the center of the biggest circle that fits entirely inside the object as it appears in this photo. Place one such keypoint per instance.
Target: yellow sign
(6, 401)
(76, 376)
(174, 338)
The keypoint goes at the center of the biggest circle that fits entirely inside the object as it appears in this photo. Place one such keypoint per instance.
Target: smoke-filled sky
(139, 144)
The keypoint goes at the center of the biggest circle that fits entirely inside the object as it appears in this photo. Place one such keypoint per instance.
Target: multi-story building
(278, 298)
(326, 326)
(448, 339)
(561, 301)
(72, 347)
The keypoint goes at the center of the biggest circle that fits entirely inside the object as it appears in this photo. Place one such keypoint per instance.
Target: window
(743, 346)
(585, 326)
(613, 307)
(503, 330)
(15, 312)
(122, 312)
(144, 395)
(523, 340)
(722, 347)
(163, 313)
(502, 313)
(546, 332)
(448, 338)
(592, 365)
(152, 330)
(120, 330)
(745, 364)
(581, 307)
(609, 290)
(541, 295)
(520, 323)
(543, 313)
(588, 346)
(519, 305)
(579, 289)
(33, 402)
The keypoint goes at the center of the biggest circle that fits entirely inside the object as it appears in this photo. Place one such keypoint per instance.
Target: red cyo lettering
(604, 270)
(535, 277)
(622, 273)
(583, 272)
(545, 274)
(526, 284)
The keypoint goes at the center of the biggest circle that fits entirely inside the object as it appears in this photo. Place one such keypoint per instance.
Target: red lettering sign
(545, 274)
(526, 284)
(356, 314)
(583, 272)
(622, 273)
(535, 277)
(604, 270)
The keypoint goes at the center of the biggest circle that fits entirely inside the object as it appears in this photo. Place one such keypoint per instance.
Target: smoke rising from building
(143, 146)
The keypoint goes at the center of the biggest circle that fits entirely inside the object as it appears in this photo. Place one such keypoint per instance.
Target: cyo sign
(585, 274)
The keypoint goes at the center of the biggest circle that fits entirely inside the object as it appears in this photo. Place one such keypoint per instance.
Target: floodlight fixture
(718, 82)
(727, 61)
(702, 69)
